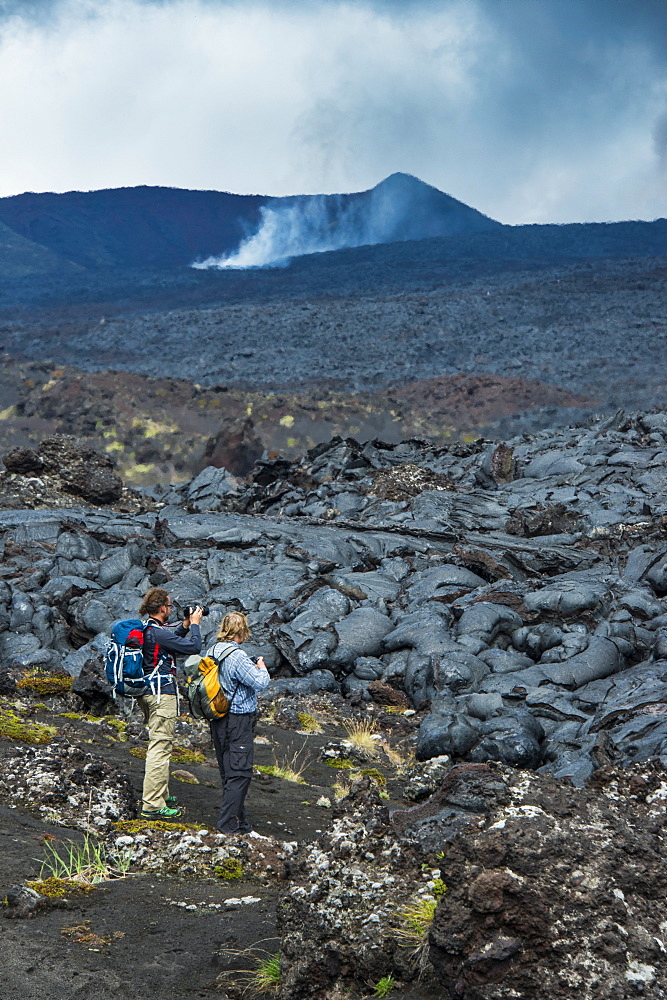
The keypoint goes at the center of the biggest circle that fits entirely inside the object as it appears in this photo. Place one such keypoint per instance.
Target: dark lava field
(432, 472)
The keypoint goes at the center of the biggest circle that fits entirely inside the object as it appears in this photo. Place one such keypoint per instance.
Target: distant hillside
(156, 227)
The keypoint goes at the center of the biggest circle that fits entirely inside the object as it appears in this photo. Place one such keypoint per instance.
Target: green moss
(341, 765)
(55, 888)
(42, 684)
(180, 755)
(12, 728)
(231, 868)
(439, 887)
(309, 723)
(117, 724)
(375, 775)
(70, 715)
(137, 825)
(188, 781)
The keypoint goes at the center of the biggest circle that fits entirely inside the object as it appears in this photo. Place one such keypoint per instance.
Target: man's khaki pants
(161, 722)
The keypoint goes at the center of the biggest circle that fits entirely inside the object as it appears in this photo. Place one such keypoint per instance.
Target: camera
(187, 607)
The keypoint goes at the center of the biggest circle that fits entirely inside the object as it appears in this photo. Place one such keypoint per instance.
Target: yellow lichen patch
(8, 413)
(287, 420)
(55, 888)
(114, 446)
(151, 428)
(45, 684)
(12, 728)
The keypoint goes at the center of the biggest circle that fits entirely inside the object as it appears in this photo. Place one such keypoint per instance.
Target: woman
(241, 679)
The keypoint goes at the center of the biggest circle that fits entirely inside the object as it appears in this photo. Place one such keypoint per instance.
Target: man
(160, 707)
(241, 679)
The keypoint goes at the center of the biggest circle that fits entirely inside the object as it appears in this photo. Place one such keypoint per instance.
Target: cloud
(529, 111)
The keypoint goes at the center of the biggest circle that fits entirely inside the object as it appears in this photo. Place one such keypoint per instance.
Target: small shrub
(139, 752)
(231, 868)
(439, 887)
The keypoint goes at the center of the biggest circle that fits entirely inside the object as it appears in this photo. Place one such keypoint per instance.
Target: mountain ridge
(165, 227)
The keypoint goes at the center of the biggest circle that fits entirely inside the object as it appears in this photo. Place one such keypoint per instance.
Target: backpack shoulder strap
(228, 648)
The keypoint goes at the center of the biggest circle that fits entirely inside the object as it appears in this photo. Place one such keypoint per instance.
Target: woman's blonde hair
(234, 626)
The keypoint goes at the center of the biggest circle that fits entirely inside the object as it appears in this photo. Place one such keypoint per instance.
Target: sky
(528, 110)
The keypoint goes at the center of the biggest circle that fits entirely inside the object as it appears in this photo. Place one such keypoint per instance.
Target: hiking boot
(166, 813)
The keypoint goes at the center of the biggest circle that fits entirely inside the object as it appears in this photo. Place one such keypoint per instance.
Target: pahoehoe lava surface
(491, 616)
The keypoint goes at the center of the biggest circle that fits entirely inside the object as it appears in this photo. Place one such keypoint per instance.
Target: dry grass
(394, 756)
(364, 737)
(341, 789)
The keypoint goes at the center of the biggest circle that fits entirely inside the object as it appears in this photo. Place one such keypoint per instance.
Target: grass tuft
(416, 918)
(289, 770)
(87, 862)
(266, 977)
(308, 723)
(364, 737)
(384, 986)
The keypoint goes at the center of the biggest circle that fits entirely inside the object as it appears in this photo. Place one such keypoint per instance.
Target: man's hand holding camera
(194, 616)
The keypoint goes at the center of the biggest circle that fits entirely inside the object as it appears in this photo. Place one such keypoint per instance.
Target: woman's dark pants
(232, 739)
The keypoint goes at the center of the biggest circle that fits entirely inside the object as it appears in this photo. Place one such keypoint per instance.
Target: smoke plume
(399, 208)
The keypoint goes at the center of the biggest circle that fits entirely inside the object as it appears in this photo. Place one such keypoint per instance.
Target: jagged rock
(23, 462)
(63, 782)
(92, 687)
(82, 470)
(22, 903)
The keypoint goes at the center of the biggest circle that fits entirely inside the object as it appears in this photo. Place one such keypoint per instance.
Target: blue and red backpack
(124, 659)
